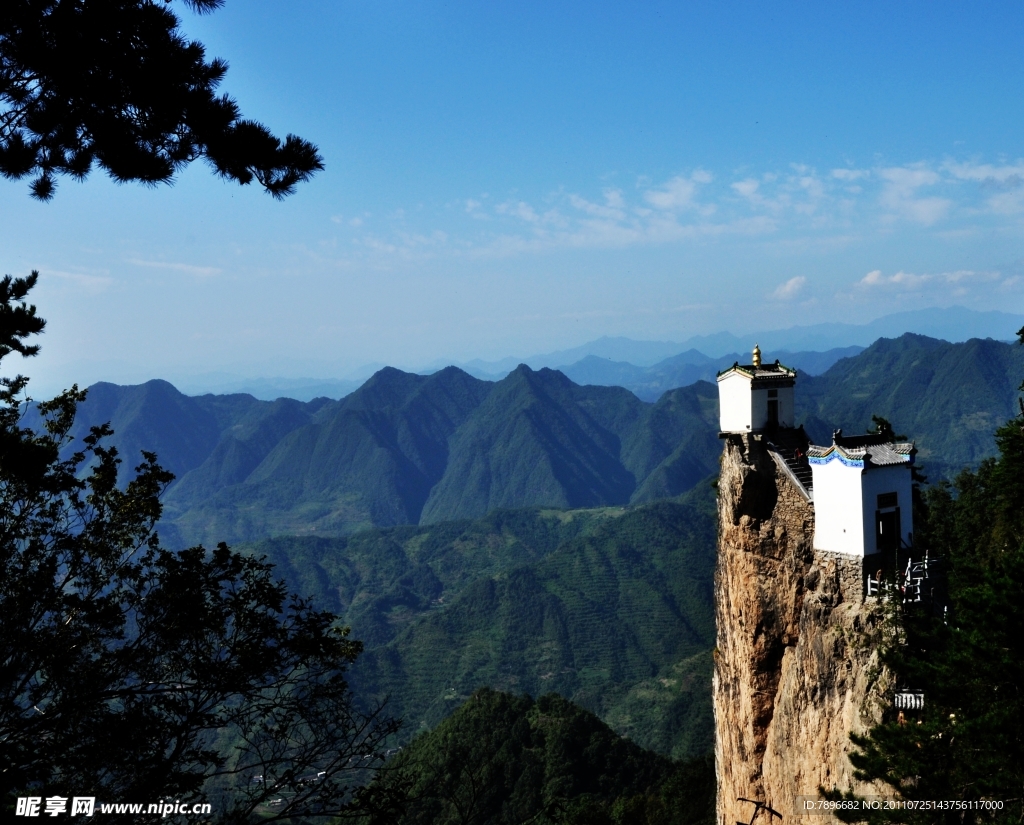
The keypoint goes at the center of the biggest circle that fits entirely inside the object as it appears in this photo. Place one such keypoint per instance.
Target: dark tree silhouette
(132, 673)
(114, 83)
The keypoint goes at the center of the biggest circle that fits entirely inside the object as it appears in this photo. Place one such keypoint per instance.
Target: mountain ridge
(408, 448)
(954, 324)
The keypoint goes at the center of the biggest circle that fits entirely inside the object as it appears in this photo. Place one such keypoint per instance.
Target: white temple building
(860, 486)
(862, 495)
(755, 397)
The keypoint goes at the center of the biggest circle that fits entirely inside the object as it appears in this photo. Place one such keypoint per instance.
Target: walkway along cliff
(796, 662)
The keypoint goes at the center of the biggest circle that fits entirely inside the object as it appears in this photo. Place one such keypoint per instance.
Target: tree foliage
(114, 83)
(509, 759)
(130, 672)
(966, 654)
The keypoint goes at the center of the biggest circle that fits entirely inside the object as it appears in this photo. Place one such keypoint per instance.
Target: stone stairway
(790, 445)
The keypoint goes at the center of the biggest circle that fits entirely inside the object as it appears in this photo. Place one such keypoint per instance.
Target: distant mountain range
(648, 383)
(269, 389)
(949, 398)
(414, 449)
(953, 324)
(405, 449)
(647, 368)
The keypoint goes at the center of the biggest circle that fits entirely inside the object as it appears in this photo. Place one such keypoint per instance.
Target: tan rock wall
(796, 663)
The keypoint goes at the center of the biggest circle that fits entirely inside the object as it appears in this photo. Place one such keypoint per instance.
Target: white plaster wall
(734, 404)
(838, 510)
(895, 478)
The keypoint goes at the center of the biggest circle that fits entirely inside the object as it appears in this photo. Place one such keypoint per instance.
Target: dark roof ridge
(762, 371)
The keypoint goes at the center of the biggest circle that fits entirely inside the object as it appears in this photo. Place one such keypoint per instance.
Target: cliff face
(796, 667)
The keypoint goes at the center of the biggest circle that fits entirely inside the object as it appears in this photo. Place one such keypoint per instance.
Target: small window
(887, 500)
(773, 393)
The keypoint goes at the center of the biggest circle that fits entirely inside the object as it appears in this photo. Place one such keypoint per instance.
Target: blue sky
(511, 178)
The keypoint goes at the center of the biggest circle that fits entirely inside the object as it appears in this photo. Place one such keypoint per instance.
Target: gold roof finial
(757, 355)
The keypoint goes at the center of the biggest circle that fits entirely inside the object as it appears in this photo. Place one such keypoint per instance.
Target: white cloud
(614, 199)
(801, 192)
(910, 282)
(1007, 181)
(906, 281)
(849, 175)
(611, 209)
(747, 188)
(90, 283)
(1007, 175)
(811, 185)
(899, 194)
(1007, 203)
(519, 209)
(475, 210)
(678, 193)
(800, 207)
(190, 269)
(790, 289)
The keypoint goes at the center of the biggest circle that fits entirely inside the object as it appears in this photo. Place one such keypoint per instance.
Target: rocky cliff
(796, 664)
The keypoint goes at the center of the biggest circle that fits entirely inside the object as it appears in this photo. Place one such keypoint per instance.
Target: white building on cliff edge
(862, 495)
(860, 486)
(756, 396)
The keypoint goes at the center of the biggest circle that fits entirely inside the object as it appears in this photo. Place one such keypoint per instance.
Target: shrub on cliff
(967, 656)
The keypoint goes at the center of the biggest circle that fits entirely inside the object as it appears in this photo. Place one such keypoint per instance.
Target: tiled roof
(874, 453)
(775, 370)
(882, 454)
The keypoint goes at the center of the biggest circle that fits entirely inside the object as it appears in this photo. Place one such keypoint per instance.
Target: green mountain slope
(531, 442)
(610, 607)
(949, 398)
(598, 615)
(369, 459)
(156, 417)
(407, 449)
(669, 713)
(241, 447)
(677, 445)
(509, 759)
(380, 581)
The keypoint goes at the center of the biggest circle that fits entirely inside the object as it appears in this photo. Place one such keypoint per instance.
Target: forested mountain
(540, 439)
(609, 607)
(370, 459)
(413, 449)
(405, 449)
(505, 760)
(949, 398)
